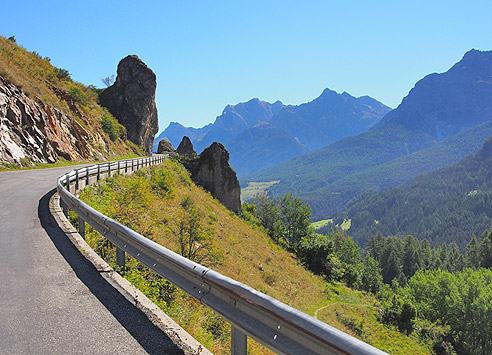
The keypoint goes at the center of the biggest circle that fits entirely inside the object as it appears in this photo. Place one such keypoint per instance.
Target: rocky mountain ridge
(300, 129)
(443, 104)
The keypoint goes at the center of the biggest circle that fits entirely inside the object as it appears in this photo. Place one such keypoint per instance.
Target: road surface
(52, 300)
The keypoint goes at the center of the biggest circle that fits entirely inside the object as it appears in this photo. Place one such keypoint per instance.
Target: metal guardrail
(274, 324)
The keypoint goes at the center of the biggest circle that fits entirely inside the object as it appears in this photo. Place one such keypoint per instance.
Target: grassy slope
(245, 254)
(39, 80)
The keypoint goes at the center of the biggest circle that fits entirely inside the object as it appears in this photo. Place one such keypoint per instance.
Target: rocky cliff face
(185, 148)
(165, 147)
(31, 129)
(211, 170)
(132, 101)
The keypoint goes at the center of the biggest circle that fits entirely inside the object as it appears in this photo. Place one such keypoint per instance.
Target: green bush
(77, 95)
(111, 127)
(62, 74)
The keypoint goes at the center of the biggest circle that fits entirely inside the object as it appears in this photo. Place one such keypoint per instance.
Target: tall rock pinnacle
(132, 101)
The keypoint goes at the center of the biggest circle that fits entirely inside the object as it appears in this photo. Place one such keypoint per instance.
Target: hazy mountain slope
(330, 117)
(311, 125)
(445, 104)
(257, 148)
(444, 206)
(234, 120)
(175, 132)
(416, 124)
(317, 169)
(328, 200)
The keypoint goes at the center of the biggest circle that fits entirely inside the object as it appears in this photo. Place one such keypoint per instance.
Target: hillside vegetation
(448, 205)
(164, 205)
(45, 83)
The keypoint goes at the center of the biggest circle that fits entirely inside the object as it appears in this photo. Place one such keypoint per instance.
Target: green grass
(254, 188)
(344, 226)
(347, 223)
(321, 224)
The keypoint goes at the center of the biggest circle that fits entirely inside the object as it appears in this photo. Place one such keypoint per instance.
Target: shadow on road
(149, 336)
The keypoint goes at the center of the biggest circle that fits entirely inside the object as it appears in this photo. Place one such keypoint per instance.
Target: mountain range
(259, 134)
(437, 124)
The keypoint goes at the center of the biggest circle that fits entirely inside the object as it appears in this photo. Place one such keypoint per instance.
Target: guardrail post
(239, 342)
(64, 205)
(87, 176)
(81, 227)
(109, 169)
(120, 258)
(98, 172)
(126, 166)
(119, 167)
(76, 180)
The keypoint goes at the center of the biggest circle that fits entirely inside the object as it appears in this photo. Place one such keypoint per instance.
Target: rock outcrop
(30, 129)
(131, 99)
(185, 148)
(165, 147)
(211, 170)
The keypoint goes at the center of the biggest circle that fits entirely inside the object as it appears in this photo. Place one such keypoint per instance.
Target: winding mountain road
(52, 300)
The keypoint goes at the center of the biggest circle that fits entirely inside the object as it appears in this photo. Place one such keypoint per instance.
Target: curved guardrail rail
(276, 325)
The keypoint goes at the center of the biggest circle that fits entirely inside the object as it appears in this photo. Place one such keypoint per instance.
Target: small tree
(371, 279)
(108, 81)
(268, 213)
(62, 74)
(193, 239)
(295, 215)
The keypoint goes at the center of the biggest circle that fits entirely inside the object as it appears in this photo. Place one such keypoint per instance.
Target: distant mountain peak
(443, 104)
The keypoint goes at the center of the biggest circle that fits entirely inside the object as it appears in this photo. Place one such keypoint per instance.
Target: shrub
(399, 312)
(77, 95)
(62, 74)
(162, 182)
(111, 127)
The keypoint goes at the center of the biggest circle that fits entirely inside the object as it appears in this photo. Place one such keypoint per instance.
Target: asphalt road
(52, 300)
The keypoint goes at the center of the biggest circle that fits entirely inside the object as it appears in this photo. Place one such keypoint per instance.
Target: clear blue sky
(207, 54)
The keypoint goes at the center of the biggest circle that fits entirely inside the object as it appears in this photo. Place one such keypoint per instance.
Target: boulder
(131, 99)
(165, 147)
(185, 148)
(211, 170)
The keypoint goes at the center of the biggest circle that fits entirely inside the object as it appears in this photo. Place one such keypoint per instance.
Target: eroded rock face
(185, 148)
(131, 99)
(31, 129)
(165, 147)
(212, 171)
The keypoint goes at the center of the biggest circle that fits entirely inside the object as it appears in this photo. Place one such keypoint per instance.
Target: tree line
(438, 293)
